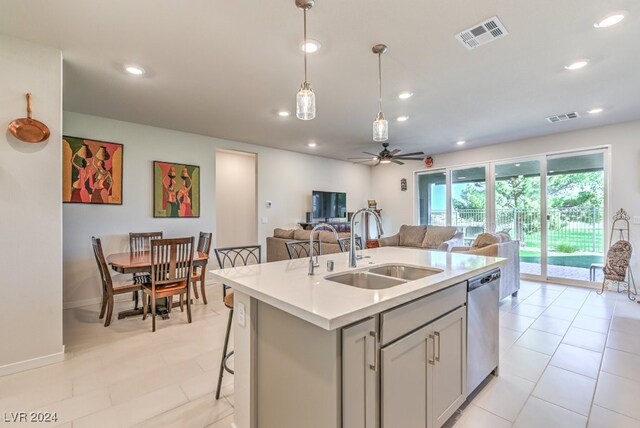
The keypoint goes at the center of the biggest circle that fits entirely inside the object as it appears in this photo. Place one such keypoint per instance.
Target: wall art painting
(91, 171)
(176, 190)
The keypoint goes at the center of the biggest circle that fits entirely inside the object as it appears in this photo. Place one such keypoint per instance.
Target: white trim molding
(33, 363)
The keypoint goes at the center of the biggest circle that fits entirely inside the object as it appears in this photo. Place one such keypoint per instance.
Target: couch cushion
(485, 239)
(436, 235)
(327, 236)
(283, 233)
(411, 236)
(301, 234)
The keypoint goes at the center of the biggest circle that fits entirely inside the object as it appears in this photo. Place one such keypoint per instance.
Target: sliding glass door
(469, 201)
(553, 205)
(432, 198)
(575, 193)
(518, 210)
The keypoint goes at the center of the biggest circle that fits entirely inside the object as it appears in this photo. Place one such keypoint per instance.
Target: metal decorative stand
(621, 226)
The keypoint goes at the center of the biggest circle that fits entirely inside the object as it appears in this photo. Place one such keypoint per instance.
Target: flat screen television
(328, 205)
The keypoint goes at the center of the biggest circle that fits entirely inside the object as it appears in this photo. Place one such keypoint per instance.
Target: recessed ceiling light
(517, 164)
(405, 95)
(610, 20)
(284, 113)
(311, 46)
(577, 65)
(402, 118)
(460, 143)
(374, 158)
(595, 110)
(551, 172)
(312, 145)
(461, 178)
(136, 70)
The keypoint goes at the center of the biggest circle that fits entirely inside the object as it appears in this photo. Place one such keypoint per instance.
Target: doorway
(236, 198)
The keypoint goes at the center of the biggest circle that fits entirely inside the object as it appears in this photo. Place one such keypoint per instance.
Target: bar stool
(229, 257)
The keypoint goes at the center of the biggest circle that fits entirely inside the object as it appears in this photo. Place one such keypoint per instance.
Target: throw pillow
(485, 239)
(412, 236)
(283, 233)
(436, 235)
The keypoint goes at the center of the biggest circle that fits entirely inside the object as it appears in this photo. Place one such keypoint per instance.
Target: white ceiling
(223, 68)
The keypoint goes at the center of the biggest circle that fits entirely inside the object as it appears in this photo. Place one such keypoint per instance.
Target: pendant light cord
(305, 45)
(380, 82)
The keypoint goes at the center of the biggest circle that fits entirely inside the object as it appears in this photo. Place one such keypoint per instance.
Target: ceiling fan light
(385, 160)
(305, 103)
(380, 128)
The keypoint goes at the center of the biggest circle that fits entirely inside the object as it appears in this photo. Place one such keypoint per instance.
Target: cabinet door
(404, 381)
(359, 376)
(447, 377)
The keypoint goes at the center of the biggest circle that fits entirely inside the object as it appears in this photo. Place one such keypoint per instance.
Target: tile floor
(569, 358)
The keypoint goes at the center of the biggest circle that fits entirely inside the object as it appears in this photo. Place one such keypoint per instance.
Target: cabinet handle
(431, 360)
(374, 366)
(436, 334)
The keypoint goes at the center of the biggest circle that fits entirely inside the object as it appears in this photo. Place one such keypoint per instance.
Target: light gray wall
(623, 139)
(31, 231)
(285, 178)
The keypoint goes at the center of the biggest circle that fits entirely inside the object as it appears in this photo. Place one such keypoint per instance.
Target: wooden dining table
(140, 262)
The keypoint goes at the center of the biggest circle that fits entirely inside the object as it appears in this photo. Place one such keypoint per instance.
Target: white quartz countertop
(287, 286)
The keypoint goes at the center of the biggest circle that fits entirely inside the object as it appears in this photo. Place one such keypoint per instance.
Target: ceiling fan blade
(394, 151)
(361, 158)
(397, 162)
(364, 161)
(410, 154)
(372, 154)
(409, 158)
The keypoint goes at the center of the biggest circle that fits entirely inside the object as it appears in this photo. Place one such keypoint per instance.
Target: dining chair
(171, 266)
(199, 273)
(109, 288)
(229, 257)
(345, 243)
(300, 249)
(139, 242)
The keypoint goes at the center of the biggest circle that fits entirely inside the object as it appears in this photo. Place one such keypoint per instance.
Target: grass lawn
(569, 239)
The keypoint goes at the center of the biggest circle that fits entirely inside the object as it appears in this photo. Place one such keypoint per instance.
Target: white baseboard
(33, 363)
(93, 302)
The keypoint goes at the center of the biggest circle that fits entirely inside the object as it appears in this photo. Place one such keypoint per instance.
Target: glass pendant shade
(305, 103)
(380, 128)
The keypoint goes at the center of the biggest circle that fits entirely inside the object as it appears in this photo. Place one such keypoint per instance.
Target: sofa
(277, 248)
(499, 245)
(442, 238)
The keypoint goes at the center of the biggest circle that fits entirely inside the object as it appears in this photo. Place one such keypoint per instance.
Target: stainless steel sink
(406, 272)
(364, 279)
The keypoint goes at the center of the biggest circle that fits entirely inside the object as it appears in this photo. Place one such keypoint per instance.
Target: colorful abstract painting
(91, 171)
(176, 190)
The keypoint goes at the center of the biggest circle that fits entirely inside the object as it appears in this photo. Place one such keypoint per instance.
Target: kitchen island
(313, 352)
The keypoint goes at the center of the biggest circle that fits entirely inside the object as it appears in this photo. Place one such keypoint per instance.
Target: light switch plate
(636, 219)
(241, 314)
(265, 220)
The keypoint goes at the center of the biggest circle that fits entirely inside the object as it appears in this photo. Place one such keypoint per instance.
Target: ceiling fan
(386, 156)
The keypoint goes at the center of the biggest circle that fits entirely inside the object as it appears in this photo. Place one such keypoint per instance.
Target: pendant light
(306, 99)
(380, 124)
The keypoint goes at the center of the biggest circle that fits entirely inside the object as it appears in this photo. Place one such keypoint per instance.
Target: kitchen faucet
(353, 262)
(315, 264)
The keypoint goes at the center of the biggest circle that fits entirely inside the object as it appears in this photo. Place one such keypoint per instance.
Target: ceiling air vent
(563, 117)
(483, 33)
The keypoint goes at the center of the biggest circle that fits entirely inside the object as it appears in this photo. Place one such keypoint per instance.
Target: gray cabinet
(360, 375)
(423, 375)
(448, 373)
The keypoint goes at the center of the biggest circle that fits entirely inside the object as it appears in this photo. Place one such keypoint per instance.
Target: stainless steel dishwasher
(482, 327)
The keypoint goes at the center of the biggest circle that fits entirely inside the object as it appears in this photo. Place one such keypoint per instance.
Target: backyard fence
(570, 229)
